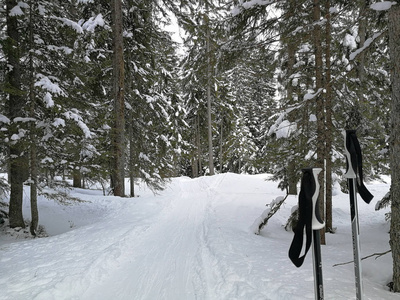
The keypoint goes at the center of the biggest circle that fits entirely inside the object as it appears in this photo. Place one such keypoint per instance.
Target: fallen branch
(261, 221)
(375, 254)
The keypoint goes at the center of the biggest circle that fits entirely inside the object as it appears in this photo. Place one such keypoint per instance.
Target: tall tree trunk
(329, 125)
(394, 48)
(291, 167)
(34, 174)
(18, 162)
(199, 164)
(33, 153)
(118, 130)
(210, 144)
(131, 161)
(221, 141)
(291, 177)
(193, 160)
(319, 108)
(76, 178)
(362, 34)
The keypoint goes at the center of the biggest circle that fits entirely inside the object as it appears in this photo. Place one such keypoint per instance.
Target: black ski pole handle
(354, 163)
(350, 154)
(317, 223)
(309, 217)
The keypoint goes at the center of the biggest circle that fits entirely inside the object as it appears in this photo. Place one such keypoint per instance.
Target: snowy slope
(192, 241)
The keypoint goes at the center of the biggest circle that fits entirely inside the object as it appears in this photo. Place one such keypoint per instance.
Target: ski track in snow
(175, 259)
(192, 241)
(165, 256)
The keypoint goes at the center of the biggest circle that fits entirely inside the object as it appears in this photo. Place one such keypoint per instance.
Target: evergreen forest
(98, 91)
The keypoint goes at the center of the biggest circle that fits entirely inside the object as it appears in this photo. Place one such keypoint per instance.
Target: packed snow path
(192, 241)
(173, 258)
(169, 259)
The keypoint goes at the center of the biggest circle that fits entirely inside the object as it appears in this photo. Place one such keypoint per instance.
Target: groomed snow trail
(188, 252)
(170, 260)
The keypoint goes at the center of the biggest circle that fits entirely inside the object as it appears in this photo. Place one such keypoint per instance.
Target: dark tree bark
(131, 161)
(33, 153)
(76, 178)
(362, 35)
(18, 162)
(118, 130)
(34, 208)
(329, 125)
(209, 118)
(291, 48)
(394, 48)
(320, 108)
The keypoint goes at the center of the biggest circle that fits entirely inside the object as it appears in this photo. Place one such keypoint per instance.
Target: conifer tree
(199, 80)
(118, 128)
(18, 163)
(394, 47)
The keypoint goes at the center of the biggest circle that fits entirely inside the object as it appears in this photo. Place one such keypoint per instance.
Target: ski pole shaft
(317, 225)
(356, 241)
(311, 222)
(317, 264)
(354, 173)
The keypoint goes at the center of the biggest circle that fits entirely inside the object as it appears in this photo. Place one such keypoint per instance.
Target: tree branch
(374, 254)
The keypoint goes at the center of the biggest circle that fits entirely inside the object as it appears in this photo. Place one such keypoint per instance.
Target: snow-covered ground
(192, 241)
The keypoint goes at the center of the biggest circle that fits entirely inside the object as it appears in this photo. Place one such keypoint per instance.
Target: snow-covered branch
(261, 221)
(249, 4)
(367, 43)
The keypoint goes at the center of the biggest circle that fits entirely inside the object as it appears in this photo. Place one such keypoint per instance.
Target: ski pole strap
(307, 190)
(354, 164)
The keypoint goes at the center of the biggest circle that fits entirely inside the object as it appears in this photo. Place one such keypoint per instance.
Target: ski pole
(355, 183)
(310, 221)
(317, 225)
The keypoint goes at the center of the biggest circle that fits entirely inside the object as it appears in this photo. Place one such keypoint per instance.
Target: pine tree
(294, 127)
(154, 104)
(252, 97)
(199, 67)
(18, 163)
(49, 111)
(394, 47)
(118, 128)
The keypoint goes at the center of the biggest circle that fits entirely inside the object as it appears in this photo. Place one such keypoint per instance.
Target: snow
(333, 10)
(48, 100)
(66, 22)
(191, 241)
(85, 1)
(47, 160)
(249, 4)
(252, 3)
(91, 24)
(59, 122)
(73, 116)
(285, 129)
(384, 5)
(45, 83)
(16, 11)
(23, 120)
(15, 137)
(4, 119)
(350, 41)
(295, 78)
(367, 43)
(311, 95)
